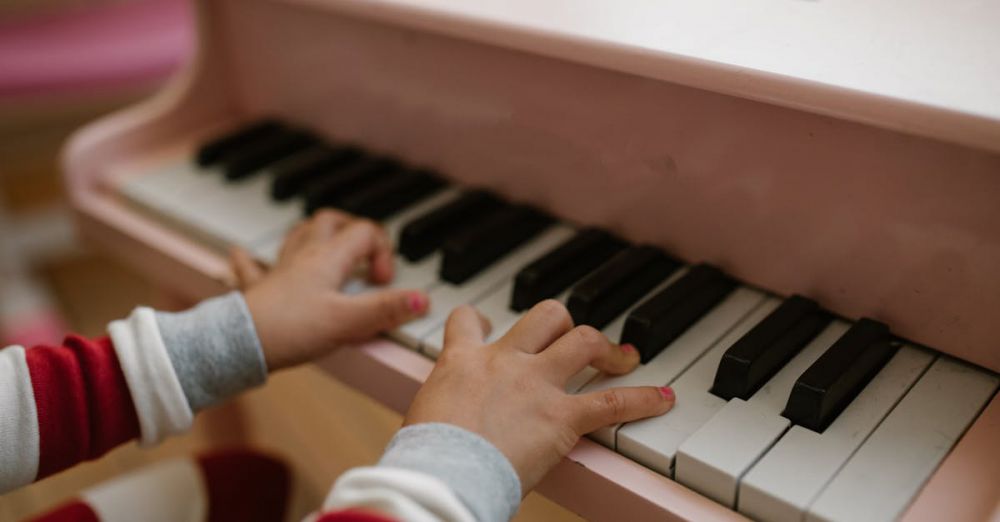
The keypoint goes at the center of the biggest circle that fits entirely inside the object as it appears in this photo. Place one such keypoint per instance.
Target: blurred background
(64, 63)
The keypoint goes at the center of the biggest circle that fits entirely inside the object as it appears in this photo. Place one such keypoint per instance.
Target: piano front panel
(872, 222)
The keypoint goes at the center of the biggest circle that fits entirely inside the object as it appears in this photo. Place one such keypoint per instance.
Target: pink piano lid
(107, 46)
(924, 68)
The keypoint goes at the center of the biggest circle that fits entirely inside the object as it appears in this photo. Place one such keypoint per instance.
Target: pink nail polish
(627, 348)
(417, 302)
(667, 392)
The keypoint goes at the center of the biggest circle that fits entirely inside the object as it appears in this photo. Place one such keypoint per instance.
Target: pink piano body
(874, 206)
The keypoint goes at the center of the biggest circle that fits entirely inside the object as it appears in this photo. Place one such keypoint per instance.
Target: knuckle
(553, 310)
(614, 404)
(367, 226)
(461, 314)
(325, 215)
(589, 336)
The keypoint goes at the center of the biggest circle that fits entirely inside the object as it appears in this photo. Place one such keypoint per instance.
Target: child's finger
(373, 312)
(326, 222)
(294, 239)
(361, 240)
(616, 405)
(586, 346)
(465, 326)
(543, 324)
(247, 271)
(381, 264)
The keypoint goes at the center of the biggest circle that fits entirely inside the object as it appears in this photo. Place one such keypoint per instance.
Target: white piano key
(681, 353)
(495, 306)
(266, 250)
(246, 213)
(889, 468)
(770, 492)
(163, 190)
(714, 458)
(445, 297)
(204, 203)
(654, 442)
(226, 228)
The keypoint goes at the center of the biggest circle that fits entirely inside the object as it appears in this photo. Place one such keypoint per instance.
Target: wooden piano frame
(895, 204)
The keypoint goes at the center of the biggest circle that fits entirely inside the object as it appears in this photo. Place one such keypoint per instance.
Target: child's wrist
(214, 349)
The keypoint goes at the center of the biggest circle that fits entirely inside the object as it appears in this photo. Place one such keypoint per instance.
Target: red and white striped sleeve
(60, 405)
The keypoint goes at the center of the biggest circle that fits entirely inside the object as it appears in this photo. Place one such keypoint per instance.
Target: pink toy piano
(791, 208)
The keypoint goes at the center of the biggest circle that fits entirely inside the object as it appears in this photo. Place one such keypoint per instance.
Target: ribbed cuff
(214, 349)
(475, 470)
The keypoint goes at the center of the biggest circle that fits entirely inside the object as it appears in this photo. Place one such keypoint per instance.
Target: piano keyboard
(784, 411)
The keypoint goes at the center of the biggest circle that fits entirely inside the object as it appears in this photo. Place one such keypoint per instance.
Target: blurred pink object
(44, 326)
(97, 48)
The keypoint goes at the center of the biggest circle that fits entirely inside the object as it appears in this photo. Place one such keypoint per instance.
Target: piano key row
(776, 398)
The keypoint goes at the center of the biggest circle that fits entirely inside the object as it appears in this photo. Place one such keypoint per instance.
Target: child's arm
(60, 405)
(492, 420)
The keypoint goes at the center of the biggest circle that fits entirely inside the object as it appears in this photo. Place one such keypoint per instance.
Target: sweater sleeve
(432, 472)
(61, 405)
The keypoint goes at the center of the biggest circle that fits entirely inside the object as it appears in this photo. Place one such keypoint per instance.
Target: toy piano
(791, 208)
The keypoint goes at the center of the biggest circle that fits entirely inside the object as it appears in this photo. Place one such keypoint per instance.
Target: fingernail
(667, 392)
(628, 348)
(417, 302)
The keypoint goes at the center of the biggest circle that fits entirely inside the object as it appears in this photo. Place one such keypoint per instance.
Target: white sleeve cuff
(160, 403)
(19, 438)
(399, 493)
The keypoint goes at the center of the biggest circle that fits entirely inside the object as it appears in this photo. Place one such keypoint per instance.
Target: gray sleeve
(475, 470)
(214, 349)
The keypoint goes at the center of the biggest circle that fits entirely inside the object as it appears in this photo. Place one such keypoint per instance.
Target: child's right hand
(512, 393)
(298, 308)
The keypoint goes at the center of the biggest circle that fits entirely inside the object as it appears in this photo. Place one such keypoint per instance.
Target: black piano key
(468, 252)
(293, 174)
(832, 382)
(392, 194)
(617, 284)
(214, 150)
(767, 347)
(426, 233)
(331, 189)
(264, 151)
(554, 272)
(656, 322)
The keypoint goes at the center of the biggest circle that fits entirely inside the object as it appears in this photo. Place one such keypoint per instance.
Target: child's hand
(297, 307)
(512, 392)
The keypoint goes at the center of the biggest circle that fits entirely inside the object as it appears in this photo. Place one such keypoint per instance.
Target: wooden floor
(319, 425)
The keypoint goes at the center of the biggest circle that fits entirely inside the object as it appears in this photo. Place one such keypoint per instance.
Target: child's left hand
(297, 307)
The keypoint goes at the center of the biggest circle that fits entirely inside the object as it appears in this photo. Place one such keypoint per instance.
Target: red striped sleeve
(83, 403)
(245, 485)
